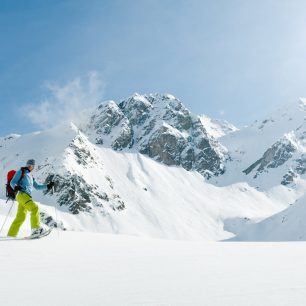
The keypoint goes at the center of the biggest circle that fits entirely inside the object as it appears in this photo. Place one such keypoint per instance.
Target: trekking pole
(56, 219)
(7, 216)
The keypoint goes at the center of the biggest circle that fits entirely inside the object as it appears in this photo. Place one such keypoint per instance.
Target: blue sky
(237, 60)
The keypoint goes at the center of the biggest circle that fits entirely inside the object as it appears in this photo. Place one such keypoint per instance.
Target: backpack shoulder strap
(23, 169)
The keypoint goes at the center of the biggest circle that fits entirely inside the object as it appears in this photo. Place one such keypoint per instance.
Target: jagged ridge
(161, 127)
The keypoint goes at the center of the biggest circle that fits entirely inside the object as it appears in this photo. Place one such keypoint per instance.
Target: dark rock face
(301, 165)
(160, 127)
(165, 147)
(71, 188)
(50, 222)
(73, 192)
(106, 118)
(124, 139)
(274, 157)
(82, 154)
(136, 110)
(288, 178)
(299, 168)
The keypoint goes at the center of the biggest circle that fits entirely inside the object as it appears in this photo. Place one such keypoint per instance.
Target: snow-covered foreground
(75, 268)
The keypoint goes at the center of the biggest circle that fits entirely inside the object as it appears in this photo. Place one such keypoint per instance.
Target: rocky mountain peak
(165, 107)
(160, 126)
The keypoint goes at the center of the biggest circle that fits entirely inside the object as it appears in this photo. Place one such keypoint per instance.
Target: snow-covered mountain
(269, 152)
(216, 127)
(161, 127)
(99, 189)
(270, 156)
(147, 166)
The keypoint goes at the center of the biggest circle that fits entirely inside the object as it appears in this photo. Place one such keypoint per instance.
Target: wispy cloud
(221, 113)
(66, 102)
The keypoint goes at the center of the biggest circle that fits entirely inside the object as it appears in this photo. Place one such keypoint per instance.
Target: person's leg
(19, 219)
(35, 217)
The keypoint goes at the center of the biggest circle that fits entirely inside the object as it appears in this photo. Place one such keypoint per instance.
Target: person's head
(31, 164)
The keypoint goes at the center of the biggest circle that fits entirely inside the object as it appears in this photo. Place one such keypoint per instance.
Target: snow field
(75, 268)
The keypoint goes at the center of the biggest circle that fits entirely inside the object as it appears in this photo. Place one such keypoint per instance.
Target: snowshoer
(23, 183)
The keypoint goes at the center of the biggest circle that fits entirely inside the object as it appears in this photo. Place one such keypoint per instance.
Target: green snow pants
(25, 204)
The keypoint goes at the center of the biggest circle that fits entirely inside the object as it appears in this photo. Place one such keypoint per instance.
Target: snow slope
(217, 128)
(287, 225)
(99, 269)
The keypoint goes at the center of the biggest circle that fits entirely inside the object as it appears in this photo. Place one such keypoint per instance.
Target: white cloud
(221, 113)
(65, 103)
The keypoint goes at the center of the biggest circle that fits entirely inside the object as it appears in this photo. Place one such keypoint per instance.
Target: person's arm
(39, 186)
(16, 179)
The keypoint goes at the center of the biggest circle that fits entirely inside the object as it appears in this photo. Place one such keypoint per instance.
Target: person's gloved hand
(17, 188)
(50, 185)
